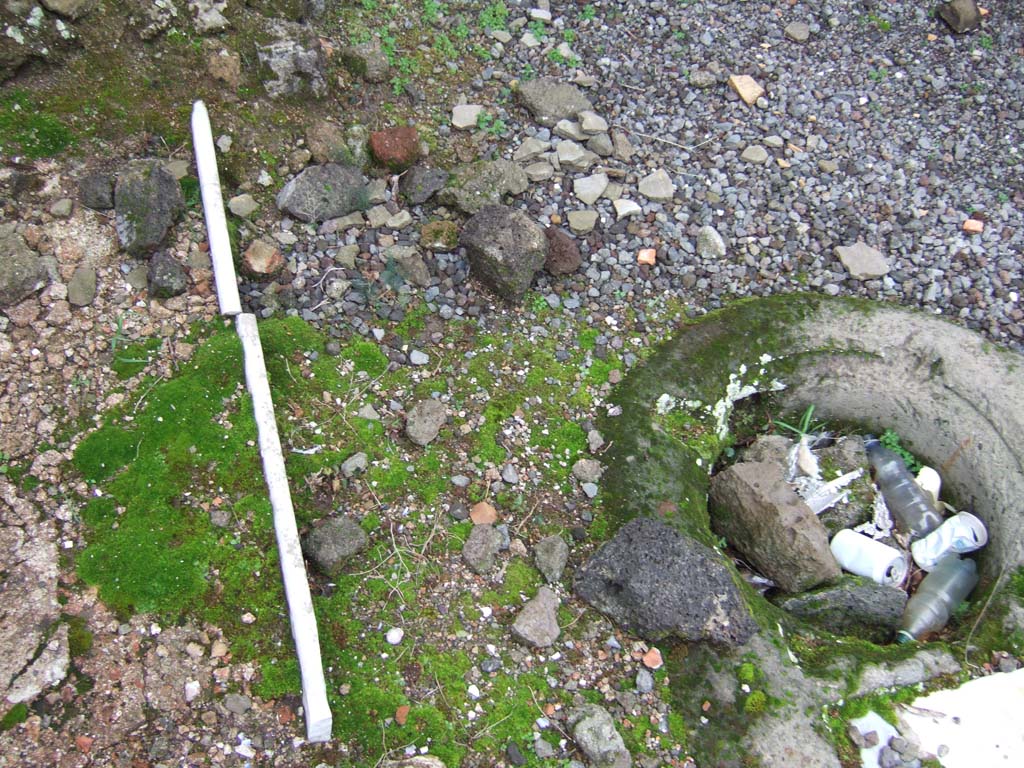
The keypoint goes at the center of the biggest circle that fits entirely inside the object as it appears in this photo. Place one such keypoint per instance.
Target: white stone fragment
(626, 208)
(590, 188)
(464, 116)
(657, 186)
(592, 123)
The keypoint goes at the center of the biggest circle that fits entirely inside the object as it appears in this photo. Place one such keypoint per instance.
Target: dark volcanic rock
(166, 276)
(147, 202)
(96, 191)
(657, 583)
(323, 192)
(419, 183)
(505, 248)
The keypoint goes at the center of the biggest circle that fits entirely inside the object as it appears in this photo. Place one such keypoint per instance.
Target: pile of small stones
(723, 157)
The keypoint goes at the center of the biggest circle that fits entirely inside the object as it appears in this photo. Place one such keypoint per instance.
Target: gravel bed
(882, 127)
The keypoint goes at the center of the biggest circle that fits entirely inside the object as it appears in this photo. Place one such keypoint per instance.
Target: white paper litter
(873, 722)
(804, 474)
(831, 493)
(977, 723)
(881, 524)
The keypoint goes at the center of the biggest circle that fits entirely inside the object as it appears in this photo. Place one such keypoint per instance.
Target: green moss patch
(15, 716)
(135, 357)
(27, 128)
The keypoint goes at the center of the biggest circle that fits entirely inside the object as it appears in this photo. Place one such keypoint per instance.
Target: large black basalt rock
(657, 583)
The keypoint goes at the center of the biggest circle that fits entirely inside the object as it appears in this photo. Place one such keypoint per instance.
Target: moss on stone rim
(650, 471)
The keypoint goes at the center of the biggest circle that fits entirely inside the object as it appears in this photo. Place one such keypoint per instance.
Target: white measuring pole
(293, 567)
(213, 209)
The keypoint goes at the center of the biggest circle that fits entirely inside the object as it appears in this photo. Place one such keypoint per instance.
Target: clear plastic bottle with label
(942, 590)
(910, 506)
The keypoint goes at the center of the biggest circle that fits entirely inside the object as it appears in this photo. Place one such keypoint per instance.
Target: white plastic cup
(959, 534)
(869, 558)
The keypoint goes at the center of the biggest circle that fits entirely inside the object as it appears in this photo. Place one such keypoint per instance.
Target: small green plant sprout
(445, 48)
(489, 124)
(891, 440)
(538, 303)
(557, 57)
(494, 16)
(432, 10)
(5, 462)
(882, 25)
(805, 426)
(118, 339)
(538, 29)
(589, 12)
(878, 75)
(985, 42)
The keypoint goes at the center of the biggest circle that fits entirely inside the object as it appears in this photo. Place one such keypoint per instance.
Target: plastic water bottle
(942, 590)
(910, 506)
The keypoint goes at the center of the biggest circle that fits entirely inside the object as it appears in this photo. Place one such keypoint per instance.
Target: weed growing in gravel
(804, 427)
(588, 12)
(444, 48)
(880, 23)
(491, 125)
(556, 57)
(432, 10)
(538, 29)
(494, 16)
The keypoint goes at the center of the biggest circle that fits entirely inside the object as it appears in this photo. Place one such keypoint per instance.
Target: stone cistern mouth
(953, 397)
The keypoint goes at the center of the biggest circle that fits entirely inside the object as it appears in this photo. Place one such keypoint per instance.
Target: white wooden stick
(213, 209)
(293, 567)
